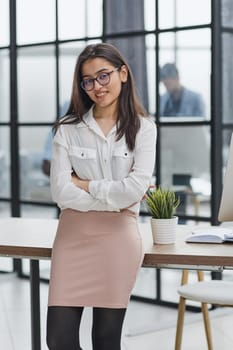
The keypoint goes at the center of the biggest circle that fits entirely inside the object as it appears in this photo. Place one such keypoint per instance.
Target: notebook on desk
(211, 235)
(220, 234)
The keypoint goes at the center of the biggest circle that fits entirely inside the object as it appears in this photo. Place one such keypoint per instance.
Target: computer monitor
(226, 204)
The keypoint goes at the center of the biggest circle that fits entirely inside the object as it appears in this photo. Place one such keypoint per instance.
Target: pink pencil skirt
(95, 259)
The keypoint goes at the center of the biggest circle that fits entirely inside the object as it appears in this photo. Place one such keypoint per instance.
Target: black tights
(63, 328)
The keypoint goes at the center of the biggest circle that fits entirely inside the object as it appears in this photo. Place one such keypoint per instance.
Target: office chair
(215, 292)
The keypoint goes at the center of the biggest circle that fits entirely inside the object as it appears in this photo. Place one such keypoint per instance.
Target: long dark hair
(129, 107)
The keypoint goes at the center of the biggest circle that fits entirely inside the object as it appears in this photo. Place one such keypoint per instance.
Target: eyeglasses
(103, 79)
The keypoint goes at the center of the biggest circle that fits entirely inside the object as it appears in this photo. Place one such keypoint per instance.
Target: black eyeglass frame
(97, 79)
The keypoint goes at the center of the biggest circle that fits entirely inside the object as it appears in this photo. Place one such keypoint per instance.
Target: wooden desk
(182, 255)
(33, 239)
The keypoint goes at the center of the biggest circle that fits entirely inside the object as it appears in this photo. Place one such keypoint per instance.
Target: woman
(102, 163)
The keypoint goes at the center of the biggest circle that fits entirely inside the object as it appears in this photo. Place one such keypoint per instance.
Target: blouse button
(82, 154)
(126, 153)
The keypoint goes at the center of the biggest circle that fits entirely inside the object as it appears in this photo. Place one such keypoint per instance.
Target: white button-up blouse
(118, 177)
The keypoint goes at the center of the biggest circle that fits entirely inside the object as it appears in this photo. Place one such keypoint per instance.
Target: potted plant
(162, 204)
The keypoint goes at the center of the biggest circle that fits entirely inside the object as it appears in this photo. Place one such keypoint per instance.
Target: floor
(147, 327)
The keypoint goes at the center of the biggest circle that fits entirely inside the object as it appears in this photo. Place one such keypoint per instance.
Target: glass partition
(167, 48)
(145, 283)
(226, 13)
(36, 211)
(37, 84)
(34, 148)
(5, 210)
(35, 21)
(150, 72)
(79, 19)
(149, 14)
(4, 86)
(6, 265)
(227, 90)
(120, 10)
(192, 12)
(180, 13)
(166, 14)
(4, 162)
(185, 166)
(4, 23)
(227, 134)
(185, 92)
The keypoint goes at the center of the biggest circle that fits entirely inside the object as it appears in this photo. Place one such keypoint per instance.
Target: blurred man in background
(178, 101)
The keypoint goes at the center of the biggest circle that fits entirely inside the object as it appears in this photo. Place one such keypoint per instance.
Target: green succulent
(162, 203)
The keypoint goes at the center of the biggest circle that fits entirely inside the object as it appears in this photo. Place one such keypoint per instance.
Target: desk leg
(35, 304)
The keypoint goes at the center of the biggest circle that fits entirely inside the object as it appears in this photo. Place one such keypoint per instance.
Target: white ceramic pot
(164, 230)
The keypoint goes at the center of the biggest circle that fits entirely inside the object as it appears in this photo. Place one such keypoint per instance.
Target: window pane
(227, 89)
(186, 166)
(194, 39)
(36, 211)
(149, 14)
(124, 16)
(145, 283)
(167, 47)
(189, 49)
(166, 13)
(35, 21)
(34, 184)
(88, 22)
(150, 65)
(6, 264)
(170, 282)
(193, 12)
(4, 86)
(94, 17)
(183, 13)
(226, 146)
(4, 23)
(227, 10)
(196, 55)
(37, 84)
(5, 210)
(4, 162)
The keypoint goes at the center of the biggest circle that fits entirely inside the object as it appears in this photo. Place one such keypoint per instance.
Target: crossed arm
(82, 184)
(70, 191)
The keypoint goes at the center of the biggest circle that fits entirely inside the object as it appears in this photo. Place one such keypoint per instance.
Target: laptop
(226, 204)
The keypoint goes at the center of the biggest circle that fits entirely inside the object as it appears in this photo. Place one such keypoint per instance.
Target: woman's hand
(82, 184)
(145, 195)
